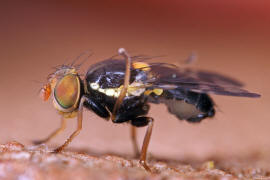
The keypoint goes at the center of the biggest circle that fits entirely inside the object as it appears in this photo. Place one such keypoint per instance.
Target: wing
(185, 91)
(169, 76)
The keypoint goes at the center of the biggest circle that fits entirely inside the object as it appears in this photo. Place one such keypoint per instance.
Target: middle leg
(120, 98)
(134, 141)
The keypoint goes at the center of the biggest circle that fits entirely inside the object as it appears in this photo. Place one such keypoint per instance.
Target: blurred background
(230, 37)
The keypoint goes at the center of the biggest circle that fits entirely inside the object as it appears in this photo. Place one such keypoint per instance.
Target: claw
(57, 150)
(146, 167)
(38, 142)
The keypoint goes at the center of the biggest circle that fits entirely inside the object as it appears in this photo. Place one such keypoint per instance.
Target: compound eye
(67, 91)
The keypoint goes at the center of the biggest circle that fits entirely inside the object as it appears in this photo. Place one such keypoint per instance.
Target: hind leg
(140, 122)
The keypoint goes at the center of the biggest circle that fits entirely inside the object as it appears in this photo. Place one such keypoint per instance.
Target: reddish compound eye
(67, 91)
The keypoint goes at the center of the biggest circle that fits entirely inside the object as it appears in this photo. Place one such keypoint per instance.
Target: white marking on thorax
(134, 89)
(94, 86)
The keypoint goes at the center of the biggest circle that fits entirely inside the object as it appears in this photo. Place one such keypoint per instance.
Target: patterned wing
(168, 76)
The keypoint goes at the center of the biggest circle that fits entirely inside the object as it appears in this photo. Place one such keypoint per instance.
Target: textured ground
(37, 162)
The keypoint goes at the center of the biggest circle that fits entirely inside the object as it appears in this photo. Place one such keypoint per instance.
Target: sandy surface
(37, 162)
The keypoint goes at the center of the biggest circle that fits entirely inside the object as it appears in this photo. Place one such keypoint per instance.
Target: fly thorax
(134, 89)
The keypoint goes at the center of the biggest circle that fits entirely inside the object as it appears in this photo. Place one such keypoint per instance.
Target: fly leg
(140, 122)
(134, 141)
(120, 98)
(53, 134)
(79, 127)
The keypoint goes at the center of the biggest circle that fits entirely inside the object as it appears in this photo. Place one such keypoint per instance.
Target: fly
(120, 90)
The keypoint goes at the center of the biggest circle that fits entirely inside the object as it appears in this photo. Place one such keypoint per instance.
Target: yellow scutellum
(141, 65)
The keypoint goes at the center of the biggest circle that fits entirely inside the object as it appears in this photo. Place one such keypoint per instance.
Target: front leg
(79, 127)
(89, 103)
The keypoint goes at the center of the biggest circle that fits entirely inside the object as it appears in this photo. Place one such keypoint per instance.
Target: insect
(120, 90)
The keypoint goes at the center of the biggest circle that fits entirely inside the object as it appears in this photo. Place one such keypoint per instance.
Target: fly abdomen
(206, 104)
(187, 105)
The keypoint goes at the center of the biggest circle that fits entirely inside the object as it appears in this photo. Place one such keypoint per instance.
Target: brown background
(230, 37)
